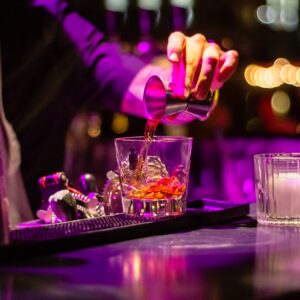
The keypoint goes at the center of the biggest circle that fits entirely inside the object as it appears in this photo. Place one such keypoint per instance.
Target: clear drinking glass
(277, 185)
(154, 174)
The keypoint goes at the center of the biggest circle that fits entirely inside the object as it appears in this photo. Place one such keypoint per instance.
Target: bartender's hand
(198, 66)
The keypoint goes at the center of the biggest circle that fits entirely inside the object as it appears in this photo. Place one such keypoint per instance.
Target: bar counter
(232, 260)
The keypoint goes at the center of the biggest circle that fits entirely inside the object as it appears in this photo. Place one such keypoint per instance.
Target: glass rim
(156, 138)
(278, 155)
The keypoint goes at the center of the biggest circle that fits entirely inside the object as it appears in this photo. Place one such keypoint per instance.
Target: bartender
(54, 61)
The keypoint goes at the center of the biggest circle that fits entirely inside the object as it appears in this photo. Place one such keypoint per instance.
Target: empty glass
(277, 184)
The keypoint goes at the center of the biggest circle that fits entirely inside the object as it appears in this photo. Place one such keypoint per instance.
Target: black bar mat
(42, 239)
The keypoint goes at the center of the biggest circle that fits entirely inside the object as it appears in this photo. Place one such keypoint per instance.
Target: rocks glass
(154, 174)
(277, 184)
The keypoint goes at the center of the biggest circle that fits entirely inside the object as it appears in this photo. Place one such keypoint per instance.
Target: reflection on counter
(277, 265)
(140, 267)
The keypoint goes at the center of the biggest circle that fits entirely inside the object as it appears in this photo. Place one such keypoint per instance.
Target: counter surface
(236, 260)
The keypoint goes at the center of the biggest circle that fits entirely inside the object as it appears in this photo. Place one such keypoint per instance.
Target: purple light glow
(143, 47)
(228, 168)
(248, 186)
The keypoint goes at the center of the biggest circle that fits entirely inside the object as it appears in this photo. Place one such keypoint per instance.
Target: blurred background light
(149, 4)
(227, 43)
(248, 185)
(298, 76)
(143, 47)
(176, 130)
(280, 103)
(279, 14)
(116, 5)
(247, 74)
(182, 3)
(281, 61)
(120, 123)
(292, 75)
(94, 125)
(182, 14)
(266, 14)
(282, 71)
(289, 16)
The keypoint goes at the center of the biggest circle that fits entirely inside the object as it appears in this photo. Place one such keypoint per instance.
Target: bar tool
(160, 102)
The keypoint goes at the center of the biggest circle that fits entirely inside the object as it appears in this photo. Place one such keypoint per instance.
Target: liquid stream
(149, 132)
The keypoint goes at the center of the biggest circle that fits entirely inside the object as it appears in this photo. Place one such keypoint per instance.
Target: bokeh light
(182, 3)
(280, 103)
(279, 14)
(116, 5)
(266, 14)
(282, 71)
(94, 125)
(149, 4)
(120, 123)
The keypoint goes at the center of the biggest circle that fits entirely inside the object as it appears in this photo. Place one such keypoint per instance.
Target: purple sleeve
(112, 70)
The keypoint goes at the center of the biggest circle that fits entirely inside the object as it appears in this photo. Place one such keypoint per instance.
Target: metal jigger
(160, 102)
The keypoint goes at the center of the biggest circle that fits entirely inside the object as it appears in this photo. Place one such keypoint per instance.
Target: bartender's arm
(195, 67)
